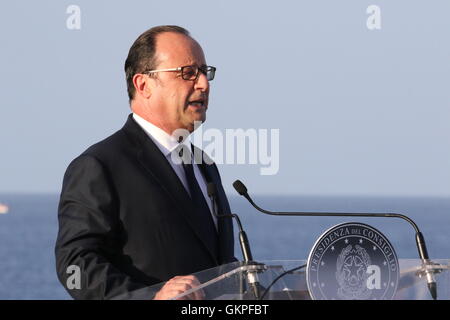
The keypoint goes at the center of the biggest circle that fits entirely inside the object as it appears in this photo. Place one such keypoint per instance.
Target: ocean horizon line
(271, 195)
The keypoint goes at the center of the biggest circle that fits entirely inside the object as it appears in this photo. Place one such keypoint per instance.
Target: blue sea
(28, 233)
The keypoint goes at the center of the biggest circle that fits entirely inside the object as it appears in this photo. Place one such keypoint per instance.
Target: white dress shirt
(167, 144)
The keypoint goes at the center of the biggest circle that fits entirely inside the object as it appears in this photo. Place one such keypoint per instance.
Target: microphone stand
(420, 240)
(252, 276)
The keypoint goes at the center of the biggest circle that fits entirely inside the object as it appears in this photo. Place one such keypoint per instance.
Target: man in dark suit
(129, 215)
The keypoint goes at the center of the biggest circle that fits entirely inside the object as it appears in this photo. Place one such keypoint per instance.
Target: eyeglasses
(191, 72)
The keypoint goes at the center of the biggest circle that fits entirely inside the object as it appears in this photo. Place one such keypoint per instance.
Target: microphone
(420, 240)
(252, 277)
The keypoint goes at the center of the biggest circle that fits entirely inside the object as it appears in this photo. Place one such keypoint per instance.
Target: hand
(178, 285)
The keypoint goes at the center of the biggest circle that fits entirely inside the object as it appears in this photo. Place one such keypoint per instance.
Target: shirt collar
(165, 142)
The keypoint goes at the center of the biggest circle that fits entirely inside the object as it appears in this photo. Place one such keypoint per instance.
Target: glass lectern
(287, 280)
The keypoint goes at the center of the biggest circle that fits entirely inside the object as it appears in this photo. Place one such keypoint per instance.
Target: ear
(142, 85)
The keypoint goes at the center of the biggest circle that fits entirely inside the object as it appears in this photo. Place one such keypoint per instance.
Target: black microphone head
(240, 187)
(211, 187)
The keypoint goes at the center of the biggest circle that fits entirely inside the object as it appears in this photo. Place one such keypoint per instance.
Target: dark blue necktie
(201, 209)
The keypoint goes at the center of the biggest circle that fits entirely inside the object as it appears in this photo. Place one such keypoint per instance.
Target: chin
(193, 125)
(199, 116)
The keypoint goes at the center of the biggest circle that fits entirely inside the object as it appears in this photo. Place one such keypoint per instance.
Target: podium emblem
(352, 261)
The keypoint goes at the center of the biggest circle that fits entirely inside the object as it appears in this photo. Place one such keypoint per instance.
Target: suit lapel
(156, 164)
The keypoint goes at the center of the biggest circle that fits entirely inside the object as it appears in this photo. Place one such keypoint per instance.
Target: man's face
(178, 102)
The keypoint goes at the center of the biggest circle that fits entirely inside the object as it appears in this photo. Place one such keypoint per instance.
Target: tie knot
(182, 155)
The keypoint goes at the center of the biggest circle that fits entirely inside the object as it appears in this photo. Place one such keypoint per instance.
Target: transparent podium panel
(287, 280)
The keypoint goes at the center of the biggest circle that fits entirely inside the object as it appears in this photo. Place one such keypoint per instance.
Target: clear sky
(359, 111)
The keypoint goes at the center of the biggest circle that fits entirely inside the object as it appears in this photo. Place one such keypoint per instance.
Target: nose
(202, 82)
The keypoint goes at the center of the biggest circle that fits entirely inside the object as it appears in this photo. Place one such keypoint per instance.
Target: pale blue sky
(360, 112)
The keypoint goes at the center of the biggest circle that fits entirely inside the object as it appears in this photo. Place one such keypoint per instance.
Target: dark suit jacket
(125, 219)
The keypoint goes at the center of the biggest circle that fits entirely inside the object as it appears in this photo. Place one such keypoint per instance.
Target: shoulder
(102, 156)
(108, 147)
(124, 141)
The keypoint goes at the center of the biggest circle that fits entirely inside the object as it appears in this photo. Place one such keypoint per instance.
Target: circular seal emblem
(352, 261)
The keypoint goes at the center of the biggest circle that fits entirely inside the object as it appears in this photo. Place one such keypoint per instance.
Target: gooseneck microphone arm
(252, 276)
(420, 240)
(243, 240)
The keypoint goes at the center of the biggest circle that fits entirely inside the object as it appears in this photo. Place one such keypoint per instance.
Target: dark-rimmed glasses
(191, 72)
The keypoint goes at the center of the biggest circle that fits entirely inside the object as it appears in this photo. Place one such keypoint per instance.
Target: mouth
(200, 103)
